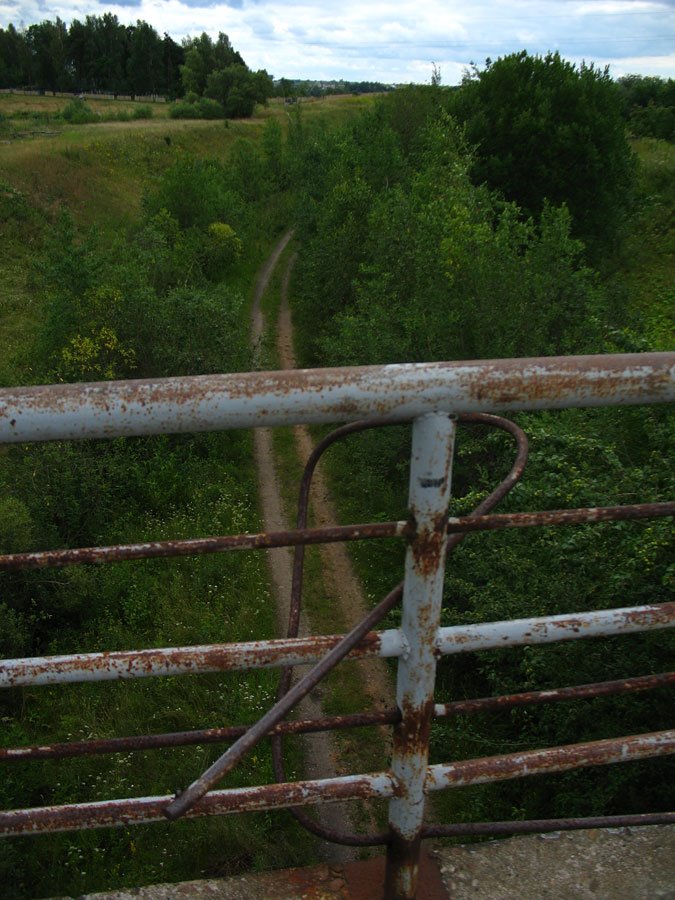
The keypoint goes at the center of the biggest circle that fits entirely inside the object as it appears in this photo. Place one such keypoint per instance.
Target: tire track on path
(341, 582)
(319, 749)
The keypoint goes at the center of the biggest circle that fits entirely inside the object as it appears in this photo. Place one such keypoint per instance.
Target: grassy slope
(98, 172)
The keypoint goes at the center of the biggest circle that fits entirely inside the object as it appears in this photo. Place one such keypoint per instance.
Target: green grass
(98, 173)
(649, 270)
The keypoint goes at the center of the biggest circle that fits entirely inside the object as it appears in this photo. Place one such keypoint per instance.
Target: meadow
(112, 267)
(100, 281)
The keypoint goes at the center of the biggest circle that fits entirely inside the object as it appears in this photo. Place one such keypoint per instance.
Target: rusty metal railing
(435, 398)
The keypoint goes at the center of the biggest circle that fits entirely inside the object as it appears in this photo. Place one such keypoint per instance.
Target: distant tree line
(97, 55)
(103, 56)
(298, 87)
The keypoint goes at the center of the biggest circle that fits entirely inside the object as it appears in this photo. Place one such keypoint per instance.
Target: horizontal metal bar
(381, 785)
(553, 695)
(189, 738)
(196, 546)
(333, 723)
(582, 516)
(293, 397)
(544, 826)
(141, 810)
(333, 534)
(124, 664)
(553, 759)
(550, 629)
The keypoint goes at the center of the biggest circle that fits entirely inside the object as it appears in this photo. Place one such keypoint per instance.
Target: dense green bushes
(546, 131)
(649, 105)
(200, 108)
(404, 258)
(163, 299)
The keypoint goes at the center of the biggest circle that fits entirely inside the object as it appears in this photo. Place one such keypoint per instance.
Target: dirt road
(320, 751)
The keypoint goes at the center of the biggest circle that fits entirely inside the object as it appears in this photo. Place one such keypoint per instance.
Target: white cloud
(396, 42)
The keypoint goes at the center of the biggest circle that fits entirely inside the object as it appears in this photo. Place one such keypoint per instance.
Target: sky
(398, 42)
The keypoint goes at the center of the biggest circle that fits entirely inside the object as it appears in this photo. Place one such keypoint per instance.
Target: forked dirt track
(341, 585)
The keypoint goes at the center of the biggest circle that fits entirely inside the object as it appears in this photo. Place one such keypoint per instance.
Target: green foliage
(218, 72)
(422, 265)
(77, 112)
(142, 111)
(13, 205)
(234, 89)
(200, 108)
(649, 105)
(223, 249)
(98, 55)
(404, 258)
(96, 356)
(196, 192)
(545, 130)
(273, 150)
(408, 110)
(247, 170)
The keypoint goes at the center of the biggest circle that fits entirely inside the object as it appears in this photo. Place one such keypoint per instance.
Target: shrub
(182, 110)
(223, 248)
(210, 109)
(144, 111)
(77, 112)
(195, 192)
(203, 108)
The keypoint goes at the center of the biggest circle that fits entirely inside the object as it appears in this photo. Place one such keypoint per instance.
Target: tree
(224, 53)
(174, 57)
(145, 63)
(113, 37)
(546, 130)
(47, 42)
(197, 65)
(649, 105)
(13, 58)
(238, 89)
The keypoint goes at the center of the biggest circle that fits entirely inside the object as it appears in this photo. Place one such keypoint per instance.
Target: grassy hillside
(97, 280)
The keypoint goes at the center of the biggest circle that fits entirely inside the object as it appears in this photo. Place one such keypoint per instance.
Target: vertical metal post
(429, 495)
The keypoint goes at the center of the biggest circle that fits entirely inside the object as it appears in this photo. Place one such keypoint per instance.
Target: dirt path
(320, 753)
(342, 585)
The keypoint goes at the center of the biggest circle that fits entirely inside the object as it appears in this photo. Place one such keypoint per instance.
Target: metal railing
(435, 398)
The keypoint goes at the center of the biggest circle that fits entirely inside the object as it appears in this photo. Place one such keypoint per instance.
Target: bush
(196, 192)
(144, 111)
(203, 108)
(182, 110)
(545, 130)
(223, 248)
(77, 112)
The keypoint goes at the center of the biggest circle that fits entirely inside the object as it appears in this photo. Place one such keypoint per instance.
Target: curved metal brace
(489, 503)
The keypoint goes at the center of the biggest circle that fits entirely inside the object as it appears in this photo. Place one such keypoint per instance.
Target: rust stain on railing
(426, 395)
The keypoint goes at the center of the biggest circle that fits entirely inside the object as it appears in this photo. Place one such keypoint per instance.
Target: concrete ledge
(599, 864)
(612, 864)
